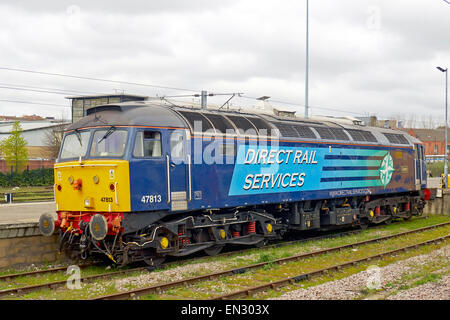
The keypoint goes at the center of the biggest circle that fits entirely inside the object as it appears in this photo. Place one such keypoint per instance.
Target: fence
(45, 194)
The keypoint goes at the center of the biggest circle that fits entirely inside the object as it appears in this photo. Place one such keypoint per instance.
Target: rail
(55, 284)
(159, 288)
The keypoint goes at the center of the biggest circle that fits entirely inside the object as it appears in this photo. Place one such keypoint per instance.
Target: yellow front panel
(95, 194)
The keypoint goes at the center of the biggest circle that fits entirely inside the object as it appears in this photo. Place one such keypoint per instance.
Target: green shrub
(38, 177)
(436, 168)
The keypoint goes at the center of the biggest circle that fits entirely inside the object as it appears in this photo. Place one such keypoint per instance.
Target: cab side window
(147, 144)
(177, 144)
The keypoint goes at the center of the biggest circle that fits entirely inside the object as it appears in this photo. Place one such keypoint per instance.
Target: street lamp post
(446, 127)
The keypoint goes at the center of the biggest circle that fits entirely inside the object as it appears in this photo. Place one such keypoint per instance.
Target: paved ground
(25, 212)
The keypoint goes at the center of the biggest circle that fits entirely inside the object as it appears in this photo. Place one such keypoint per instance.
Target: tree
(13, 148)
(53, 139)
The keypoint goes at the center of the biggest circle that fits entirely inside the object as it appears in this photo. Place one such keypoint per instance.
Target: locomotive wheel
(214, 250)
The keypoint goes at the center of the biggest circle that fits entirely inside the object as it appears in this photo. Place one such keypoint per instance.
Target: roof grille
(294, 130)
(360, 135)
(332, 133)
(221, 123)
(286, 130)
(196, 118)
(305, 132)
(396, 138)
(263, 127)
(242, 124)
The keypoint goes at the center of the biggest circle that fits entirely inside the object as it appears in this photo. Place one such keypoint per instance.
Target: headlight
(89, 202)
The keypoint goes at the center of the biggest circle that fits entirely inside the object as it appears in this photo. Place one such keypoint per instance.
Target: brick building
(434, 141)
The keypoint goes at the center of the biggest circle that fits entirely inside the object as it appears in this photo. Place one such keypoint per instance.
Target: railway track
(9, 277)
(304, 276)
(55, 284)
(159, 288)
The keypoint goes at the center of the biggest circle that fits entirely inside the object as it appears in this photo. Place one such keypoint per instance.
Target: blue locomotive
(138, 181)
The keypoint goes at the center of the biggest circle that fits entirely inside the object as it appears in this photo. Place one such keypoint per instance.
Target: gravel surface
(175, 274)
(429, 291)
(352, 287)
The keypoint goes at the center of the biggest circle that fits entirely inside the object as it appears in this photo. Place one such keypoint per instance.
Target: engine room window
(109, 143)
(147, 144)
(75, 145)
(177, 144)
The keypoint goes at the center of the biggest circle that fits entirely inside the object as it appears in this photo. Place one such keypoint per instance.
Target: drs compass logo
(386, 170)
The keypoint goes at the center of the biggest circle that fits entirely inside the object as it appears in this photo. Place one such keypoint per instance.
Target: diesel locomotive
(139, 181)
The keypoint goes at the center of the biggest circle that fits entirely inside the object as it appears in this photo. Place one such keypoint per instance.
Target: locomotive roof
(130, 114)
(159, 114)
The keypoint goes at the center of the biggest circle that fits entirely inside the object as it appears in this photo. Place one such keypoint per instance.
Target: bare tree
(411, 121)
(53, 139)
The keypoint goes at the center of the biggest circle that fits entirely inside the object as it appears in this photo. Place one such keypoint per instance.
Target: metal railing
(27, 196)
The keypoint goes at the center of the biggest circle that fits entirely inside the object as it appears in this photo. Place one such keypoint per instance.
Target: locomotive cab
(95, 167)
(92, 173)
(96, 164)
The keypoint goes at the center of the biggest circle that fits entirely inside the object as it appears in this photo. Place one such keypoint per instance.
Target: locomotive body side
(290, 171)
(299, 171)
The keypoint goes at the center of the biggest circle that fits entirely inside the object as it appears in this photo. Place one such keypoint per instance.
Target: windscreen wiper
(78, 134)
(107, 134)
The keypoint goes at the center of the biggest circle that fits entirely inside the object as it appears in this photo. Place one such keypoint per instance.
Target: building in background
(36, 134)
(434, 141)
(81, 103)
(373, 121)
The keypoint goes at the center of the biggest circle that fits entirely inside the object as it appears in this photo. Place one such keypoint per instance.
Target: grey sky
(367, 57)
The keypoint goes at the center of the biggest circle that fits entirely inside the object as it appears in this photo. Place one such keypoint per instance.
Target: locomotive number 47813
(151, 198)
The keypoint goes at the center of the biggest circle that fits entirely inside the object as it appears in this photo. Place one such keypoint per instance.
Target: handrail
(189, 177)
(168, 177)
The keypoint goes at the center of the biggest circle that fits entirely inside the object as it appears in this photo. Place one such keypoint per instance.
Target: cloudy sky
(367, 57)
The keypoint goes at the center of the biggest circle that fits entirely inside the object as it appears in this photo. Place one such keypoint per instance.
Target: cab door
(419, 166)
(147, 171)
(423, 177)
(178, 168)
